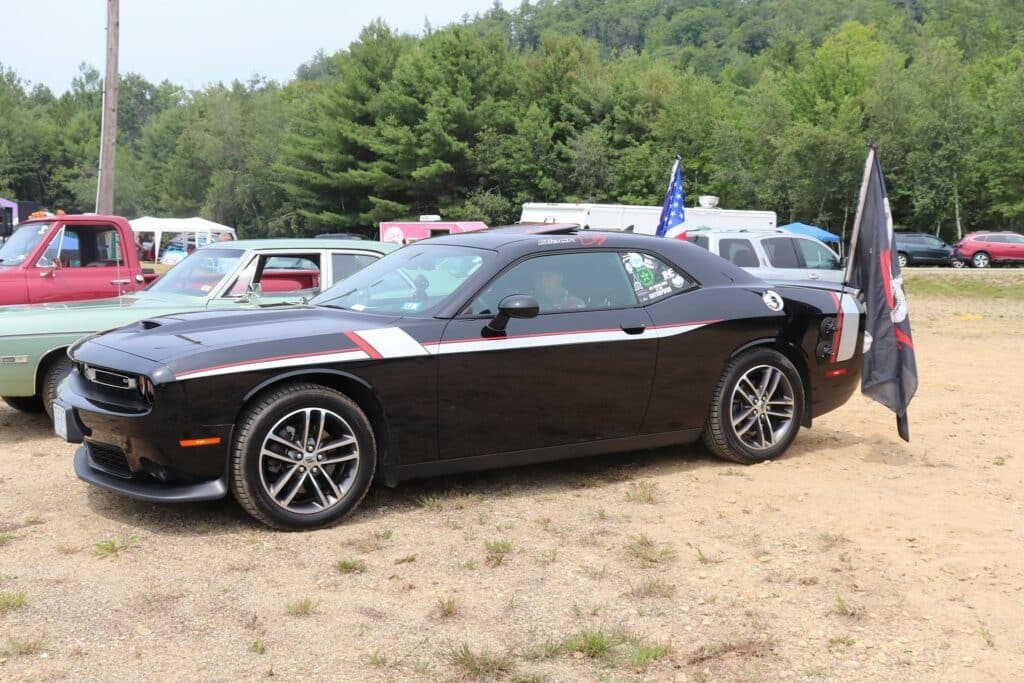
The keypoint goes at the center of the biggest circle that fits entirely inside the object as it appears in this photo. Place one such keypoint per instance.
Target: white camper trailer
(644, 219)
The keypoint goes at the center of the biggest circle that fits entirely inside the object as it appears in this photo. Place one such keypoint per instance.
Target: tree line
(770, 105)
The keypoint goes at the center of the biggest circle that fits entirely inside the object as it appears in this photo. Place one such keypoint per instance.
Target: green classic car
(34, 339)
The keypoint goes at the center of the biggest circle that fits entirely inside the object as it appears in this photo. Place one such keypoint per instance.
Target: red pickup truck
(67, 258)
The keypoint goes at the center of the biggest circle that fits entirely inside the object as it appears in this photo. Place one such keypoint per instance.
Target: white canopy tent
(195, 230)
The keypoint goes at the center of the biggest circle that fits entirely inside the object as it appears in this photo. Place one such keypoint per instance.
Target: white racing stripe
(851, 323)
(392, 342)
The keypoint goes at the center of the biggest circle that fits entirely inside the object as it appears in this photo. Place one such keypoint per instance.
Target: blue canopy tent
(813, 231)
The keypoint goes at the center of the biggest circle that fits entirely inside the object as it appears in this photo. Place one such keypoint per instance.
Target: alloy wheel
(309, 460)
(762, 407)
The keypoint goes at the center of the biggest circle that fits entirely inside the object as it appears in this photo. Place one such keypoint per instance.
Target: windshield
(198, 274)
(22, 243)
(414, 279)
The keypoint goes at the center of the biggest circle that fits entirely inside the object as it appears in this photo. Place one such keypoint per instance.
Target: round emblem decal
(772, 300)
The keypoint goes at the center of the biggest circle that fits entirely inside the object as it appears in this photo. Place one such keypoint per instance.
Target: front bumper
(135, 450)
(95, 473)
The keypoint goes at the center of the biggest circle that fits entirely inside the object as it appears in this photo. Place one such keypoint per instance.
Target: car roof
(311, 243)
(514, 241)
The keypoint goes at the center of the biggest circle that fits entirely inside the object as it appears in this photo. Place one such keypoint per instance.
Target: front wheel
(303, 458)
(756, 409)
(55, 373)
(903, 259)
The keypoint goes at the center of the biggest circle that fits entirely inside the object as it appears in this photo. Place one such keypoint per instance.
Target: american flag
(672, 212)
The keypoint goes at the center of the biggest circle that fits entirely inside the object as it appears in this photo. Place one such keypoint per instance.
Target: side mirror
(843, 261)
(513, 306)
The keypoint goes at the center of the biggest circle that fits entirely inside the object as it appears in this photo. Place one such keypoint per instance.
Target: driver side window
(562, 282)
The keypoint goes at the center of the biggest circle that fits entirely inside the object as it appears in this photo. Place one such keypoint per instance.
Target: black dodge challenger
(505, 347)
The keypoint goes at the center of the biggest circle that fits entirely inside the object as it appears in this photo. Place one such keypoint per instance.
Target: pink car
(982, 249)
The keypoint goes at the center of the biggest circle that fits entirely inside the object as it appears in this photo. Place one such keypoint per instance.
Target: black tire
(56, 371)
(726, 441)
(981, 259)
(24, 404)
(250, 472)
(903, 259)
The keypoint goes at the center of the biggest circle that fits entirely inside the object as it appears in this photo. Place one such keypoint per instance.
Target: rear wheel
(303, 458)
(756, 409)
(56, 371)
(903, 259)
(24, 404)
(981, 260)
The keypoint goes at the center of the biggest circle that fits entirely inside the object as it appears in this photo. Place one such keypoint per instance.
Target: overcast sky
(195, 42)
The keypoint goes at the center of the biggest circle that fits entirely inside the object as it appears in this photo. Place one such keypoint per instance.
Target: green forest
(770, 104)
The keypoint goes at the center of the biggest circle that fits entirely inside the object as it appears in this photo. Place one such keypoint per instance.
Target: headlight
(145, 386)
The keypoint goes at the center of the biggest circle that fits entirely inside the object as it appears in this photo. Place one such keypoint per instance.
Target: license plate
(60, 422)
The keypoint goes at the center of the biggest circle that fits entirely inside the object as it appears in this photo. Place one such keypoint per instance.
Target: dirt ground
(855, 557)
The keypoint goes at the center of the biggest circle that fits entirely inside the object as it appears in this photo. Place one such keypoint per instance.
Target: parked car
(487, 349)
(773, 255)
(920, 248)
(982, 249)
(34, 339)
(70, 258)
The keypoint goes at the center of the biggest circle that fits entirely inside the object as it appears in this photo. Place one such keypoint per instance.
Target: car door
(81, 262)
(783, 258)
(579, 371)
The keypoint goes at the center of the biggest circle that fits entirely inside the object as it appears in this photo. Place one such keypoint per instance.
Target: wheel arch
(45, 360)
(356, 389)
(795, 356)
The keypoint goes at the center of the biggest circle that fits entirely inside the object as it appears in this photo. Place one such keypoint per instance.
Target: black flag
(889, 373)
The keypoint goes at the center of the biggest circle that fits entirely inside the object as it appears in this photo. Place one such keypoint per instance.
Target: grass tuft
(11, 601)
(111, 547)
(447, 608)
(482, 665)
(830, 540)
(648, 552)
(594, 644)
(497, 551)
(653, 588)
(350, 566)
(300, 608)
(643, 654)
(642, 492)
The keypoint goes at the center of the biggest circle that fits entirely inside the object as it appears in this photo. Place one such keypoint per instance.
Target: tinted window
(1015, 239)
(781, 252)
(346, 264)
(739, 251)
(995, 238)
(651, 278)
(293, 263)
(563, 282)
(817, 255)
(700, 240)
(934, 241)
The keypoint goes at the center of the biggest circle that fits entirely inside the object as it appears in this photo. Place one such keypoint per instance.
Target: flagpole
(860, 213)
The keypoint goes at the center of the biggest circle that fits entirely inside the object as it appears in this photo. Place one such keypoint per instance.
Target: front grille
(109, 378)
(109, 459)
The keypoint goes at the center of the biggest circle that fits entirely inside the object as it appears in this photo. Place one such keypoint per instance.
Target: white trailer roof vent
(708, 201)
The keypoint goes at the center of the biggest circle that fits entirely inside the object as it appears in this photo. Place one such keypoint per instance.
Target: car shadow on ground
(547, 479)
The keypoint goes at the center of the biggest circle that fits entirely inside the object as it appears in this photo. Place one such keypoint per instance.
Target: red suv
(981, 249)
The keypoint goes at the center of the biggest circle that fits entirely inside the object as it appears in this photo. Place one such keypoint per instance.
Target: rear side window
(1000, 239)
(700, 240)
(346, 264)
(739, 251)
(651, 278)
(817, 255)
(781, 252)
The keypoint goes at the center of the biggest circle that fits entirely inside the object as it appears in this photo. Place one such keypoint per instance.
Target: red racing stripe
(364, 345)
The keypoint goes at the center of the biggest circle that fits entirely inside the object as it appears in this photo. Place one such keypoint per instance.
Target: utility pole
(108, 139)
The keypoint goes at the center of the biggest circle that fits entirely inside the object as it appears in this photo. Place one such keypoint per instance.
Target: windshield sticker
(410, 306)
(358, 307)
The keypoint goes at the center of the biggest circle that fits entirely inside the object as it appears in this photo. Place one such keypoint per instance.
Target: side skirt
(538, 455)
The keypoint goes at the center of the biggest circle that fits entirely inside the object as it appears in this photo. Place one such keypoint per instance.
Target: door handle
(814, 276)
(120, 282)
(633, 328)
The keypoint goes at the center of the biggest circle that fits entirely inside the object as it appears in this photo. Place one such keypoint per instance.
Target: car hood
(89, 316)
(176, 337)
